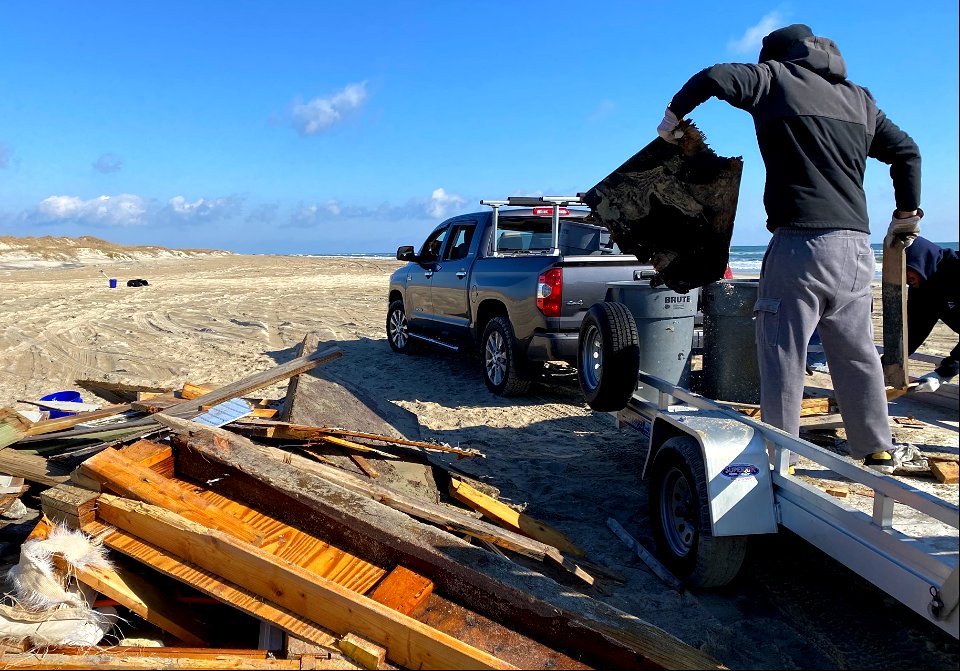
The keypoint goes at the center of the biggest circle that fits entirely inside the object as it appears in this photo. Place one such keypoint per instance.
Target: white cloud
(333, 207)
(752, 38)
(108, 163)
(202, 209)
(319, 114)
(441, 203)
(121, 210)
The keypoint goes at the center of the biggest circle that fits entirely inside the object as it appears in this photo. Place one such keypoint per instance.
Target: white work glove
(905, 229)
(668, 127)
(930, 382)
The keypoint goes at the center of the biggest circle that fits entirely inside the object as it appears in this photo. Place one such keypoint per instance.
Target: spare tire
(608, 356)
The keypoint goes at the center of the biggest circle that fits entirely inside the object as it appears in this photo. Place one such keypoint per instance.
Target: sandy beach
(215, 319)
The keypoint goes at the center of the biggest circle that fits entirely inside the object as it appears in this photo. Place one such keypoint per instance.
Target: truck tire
(498, 353)
(680, 513)
(398, 330)
(608, 357)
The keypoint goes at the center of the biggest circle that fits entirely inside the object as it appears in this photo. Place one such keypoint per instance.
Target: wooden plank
(134, 592)
(947, 472)
(658, 569)
(287, 431)
(128, 478)
(211, 584)
(410, 643)
(257, 381)
(165, 651)
(13, 426)
(104, 660)
(311, 341)
(61, 423)
(893, 283)
(403, 590)
(512, 519)
(149, 454)
(32, 467)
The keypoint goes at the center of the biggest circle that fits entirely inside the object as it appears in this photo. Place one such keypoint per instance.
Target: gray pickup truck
(514, 281)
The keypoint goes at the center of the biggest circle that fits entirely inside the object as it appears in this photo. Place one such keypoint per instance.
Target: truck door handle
(461, 274)
(428, 274)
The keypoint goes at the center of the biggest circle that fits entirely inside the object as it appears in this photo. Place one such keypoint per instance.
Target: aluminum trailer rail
(924, 581)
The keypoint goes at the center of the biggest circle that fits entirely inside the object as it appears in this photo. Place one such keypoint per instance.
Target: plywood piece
(403, 590)
(409, 642)
(512, 519)
(211, 584)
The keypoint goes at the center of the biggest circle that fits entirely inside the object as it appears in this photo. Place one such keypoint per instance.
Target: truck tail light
(550, 292)
(548, 212)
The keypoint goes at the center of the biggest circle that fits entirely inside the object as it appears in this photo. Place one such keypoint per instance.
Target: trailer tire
(680, 513)
(502, 372)
(608, 356)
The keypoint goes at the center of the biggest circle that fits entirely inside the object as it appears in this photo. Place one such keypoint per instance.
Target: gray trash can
(730, 369)
(665, 321)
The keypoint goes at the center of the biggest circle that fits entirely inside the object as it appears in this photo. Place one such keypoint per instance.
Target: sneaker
(878, 459)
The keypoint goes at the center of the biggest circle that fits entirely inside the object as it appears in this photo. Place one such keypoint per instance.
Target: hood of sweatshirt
(923, 257)
(797, 44)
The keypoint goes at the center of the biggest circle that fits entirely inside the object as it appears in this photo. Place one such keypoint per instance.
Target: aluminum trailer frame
(868, 545)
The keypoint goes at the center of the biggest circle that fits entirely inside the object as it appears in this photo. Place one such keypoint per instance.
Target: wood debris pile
(243, 539)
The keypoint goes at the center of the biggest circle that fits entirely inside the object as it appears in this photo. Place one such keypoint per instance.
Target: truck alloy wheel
(680, 513)
(501, 371)
(608, 358)
(398, 332)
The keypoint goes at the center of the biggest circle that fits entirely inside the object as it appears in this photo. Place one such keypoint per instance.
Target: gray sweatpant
(820, 279)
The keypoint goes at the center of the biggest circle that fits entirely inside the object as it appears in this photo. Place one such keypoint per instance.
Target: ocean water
(746, 260)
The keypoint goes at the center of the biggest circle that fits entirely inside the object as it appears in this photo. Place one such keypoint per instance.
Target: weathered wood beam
(61, 423)
(409, 642)
(125, 660)
(893, 282)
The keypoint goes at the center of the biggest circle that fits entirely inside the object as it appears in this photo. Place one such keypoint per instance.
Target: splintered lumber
(136, 593)
(287, 431)
(211, 584)
(506, 516)
(155, 456)
(659, 569)
(125, 477)
(403, 590)
(69, 505)
(231, 449)
(947, 472)
(410, 643)
(257, 381)
(531, 603)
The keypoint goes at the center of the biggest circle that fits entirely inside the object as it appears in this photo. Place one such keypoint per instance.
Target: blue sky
(332, 127)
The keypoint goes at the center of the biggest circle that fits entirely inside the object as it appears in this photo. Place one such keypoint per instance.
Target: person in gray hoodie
(815, 130)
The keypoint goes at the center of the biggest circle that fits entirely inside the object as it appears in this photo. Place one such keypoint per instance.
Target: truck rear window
(531, 235)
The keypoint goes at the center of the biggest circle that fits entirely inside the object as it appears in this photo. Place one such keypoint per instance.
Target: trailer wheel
(498, 354)
(398, 329)
(608, 357)
(680, 514)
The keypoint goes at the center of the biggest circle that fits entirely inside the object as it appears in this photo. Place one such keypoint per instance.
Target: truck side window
(433, 246)
(460, 242)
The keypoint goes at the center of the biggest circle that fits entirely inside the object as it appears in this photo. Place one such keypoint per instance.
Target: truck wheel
(498, 354)
(398, 331)
(680, 513)
(608, 360)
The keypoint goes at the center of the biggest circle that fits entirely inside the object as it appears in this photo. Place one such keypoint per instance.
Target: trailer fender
(739, 484)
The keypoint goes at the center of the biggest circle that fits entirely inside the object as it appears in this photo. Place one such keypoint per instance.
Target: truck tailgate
(585, 282)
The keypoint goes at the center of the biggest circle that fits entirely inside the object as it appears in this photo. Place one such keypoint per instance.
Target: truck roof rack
(534, 201)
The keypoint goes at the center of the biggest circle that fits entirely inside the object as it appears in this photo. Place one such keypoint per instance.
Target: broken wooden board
(62, 423)
(134, 592)
(104, 658)
(512, 519)
(532, 603)
(13, 426)
(410, 643)
(32, 467)
(893, 288)
(946, 472)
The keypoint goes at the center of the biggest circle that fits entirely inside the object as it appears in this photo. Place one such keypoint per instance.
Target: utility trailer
(717, 477)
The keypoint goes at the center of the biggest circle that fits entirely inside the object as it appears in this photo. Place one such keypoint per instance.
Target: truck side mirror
(406, 253)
